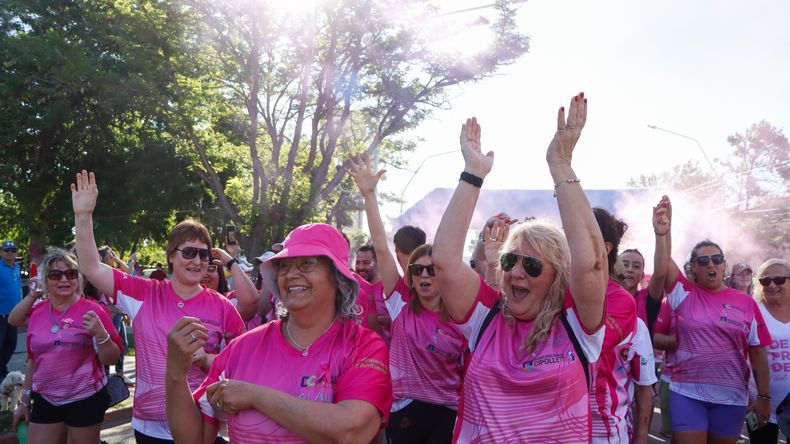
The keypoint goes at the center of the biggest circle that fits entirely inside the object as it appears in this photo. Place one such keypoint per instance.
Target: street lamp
(414, 173)
(710, 164)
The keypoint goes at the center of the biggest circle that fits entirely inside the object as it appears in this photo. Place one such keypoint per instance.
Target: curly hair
(549, 242)
(55, 255)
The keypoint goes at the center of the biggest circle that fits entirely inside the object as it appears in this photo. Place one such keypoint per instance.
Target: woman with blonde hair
(427, 350)
(773, 297)
(530, 357)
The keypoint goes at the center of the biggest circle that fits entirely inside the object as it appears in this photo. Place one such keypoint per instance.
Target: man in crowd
(10, 295)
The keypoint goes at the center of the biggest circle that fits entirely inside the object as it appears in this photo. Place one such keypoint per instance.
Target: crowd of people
(550, 334)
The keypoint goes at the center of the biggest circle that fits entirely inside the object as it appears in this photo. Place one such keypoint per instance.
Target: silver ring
(193, 337)
(493, 239)
(219, 403)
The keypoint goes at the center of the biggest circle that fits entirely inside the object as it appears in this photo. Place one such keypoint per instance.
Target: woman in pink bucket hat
(312, 375)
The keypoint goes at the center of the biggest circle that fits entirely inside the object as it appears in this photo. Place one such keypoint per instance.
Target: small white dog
(11, 390)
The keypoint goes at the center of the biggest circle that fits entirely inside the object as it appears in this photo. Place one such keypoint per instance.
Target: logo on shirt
(733, 316)
(555, 358)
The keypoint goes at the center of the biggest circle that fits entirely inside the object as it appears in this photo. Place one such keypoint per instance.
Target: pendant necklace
(180, 304)
(55, 323)
(305, 350)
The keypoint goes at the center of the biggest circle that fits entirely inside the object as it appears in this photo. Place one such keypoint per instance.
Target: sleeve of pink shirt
(234, 324)
(135, 287)
(759, 336)
(680, 290)
(214, 373)
(367, 378)
(664, 319)
(643, 364)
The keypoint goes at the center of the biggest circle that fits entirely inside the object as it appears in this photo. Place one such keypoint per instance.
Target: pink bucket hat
(311, 240)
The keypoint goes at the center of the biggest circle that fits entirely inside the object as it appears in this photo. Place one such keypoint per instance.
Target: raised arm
(459, 283)
(83, 199)
(362, 172)
(665, 270)
(589, 270)
(246, 293)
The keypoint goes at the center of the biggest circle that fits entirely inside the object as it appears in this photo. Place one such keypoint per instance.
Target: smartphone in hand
(230, 234)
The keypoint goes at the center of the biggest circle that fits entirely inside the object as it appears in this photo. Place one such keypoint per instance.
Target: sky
(706, 69)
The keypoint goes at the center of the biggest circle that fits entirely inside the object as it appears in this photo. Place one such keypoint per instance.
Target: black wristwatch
(230, 263)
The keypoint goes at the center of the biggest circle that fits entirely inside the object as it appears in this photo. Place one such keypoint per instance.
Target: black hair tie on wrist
(471, 179)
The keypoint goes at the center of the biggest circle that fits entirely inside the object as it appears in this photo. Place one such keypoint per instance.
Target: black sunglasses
(532, 265)
(702, 261)
(56, 275)
(9, 250)
(190, 253)
(416, 269)
(778, 280)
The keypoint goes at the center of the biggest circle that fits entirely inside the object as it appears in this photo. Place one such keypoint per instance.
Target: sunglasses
(416, 269)
(9, 250)
(190, 253)
(702, 261)
(56, 275)
(532, 265)
(778, 280)
(305, 265)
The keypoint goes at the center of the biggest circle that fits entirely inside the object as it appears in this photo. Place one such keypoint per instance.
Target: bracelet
(766, 398)
(557, 184)
(231, 262)
(471, 179)
(105, 340)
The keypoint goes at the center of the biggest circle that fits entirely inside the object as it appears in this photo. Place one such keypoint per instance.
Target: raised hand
(185, 338)
(475, 162)
(84, 193)
(361, 170)
(560, 150)
(662, 216)
(494, 238)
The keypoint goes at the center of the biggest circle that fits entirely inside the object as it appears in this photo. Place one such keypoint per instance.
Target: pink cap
(311, 240)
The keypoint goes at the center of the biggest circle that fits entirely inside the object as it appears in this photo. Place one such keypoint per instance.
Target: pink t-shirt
(641, 304)
(347, 362)
(642, 367)
(154, 308)
(427, 355)
(666, 324)
(715, 330)
(364, 299)
(513, 396)
(609, 388)
(66, 363)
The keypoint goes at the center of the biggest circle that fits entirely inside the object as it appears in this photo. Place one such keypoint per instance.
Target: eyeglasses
(190, 253)
(211, 268)
(416, 269)
(778, 280)
(56, 275)
(532, 265)
(305, 265)
(702, 261)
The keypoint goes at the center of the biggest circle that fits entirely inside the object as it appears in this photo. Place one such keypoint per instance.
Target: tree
(83, 87)
(301, 91)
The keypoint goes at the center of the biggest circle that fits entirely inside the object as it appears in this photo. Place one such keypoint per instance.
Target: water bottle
(21, 432)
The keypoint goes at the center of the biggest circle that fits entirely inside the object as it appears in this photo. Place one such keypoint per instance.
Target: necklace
(305, 350)
(55, 323)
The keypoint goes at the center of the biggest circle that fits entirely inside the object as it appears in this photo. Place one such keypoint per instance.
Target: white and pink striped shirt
(154, 308)
(609, 388)
(666, 324)
(427, 355)
(347, 362)
(510, 395)
(66, 363)
(715, 331)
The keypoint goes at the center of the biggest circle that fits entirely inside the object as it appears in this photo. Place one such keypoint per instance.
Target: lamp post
(414, 173)
(710, 164)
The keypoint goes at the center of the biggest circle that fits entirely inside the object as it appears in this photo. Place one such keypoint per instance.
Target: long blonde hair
(759, 294)
(549, 242)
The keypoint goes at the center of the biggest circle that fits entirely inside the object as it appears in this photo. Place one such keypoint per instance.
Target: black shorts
(84, 413)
